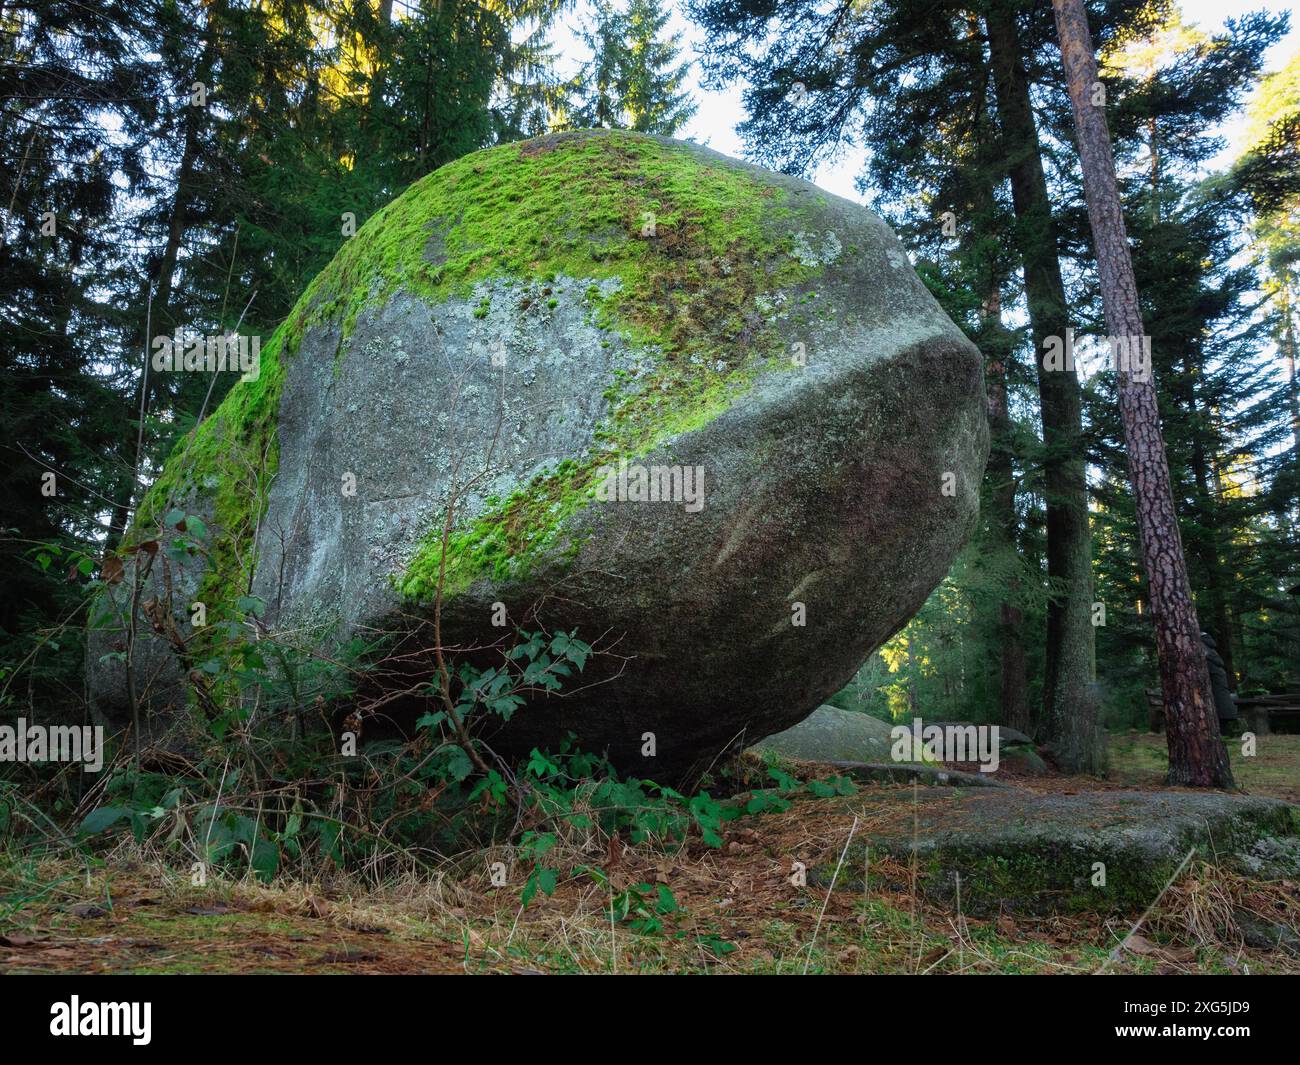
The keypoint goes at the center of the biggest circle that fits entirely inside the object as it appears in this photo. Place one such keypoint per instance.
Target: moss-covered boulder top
(612, 382)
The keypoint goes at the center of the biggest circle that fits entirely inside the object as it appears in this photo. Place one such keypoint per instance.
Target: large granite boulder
(525, 337)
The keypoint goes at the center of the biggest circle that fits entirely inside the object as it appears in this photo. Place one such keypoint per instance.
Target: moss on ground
(1043, 882)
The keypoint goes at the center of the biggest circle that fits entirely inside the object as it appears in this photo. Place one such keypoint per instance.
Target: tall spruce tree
(632, 80)
(68, 73)
(1268, 172)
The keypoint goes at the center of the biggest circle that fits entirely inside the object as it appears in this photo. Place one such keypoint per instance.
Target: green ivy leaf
(98, 820)
(459, 765)
(545, 879)
(251, 604)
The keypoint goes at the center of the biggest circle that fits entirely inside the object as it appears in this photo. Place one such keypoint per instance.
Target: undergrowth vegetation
(270, 770)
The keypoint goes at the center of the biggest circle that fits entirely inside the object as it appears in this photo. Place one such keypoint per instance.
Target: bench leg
(1256, 719)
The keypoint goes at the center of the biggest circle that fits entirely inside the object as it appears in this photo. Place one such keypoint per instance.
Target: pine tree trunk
(1196, 755)
(1068, 724)
(1293, 388)
(1013, 691)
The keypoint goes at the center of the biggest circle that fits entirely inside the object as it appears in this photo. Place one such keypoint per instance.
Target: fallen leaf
(348, 957)
(19, 939)
(110, 570)
(1137, 944)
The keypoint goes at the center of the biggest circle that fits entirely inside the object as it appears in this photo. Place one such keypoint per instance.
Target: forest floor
(1141, 758)
(737, 910)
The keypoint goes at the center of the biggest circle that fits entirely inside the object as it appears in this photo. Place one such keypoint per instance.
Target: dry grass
(741, 910)
(1142, 759)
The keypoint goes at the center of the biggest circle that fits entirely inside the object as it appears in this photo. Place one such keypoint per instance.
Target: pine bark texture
(1196, 755)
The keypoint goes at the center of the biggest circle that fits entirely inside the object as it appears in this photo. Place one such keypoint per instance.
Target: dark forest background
(193, 163)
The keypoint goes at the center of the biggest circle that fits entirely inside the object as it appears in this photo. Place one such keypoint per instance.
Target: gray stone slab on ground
(1107, 851)
(831, 734)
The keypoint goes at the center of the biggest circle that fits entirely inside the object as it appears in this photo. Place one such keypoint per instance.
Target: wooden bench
(1271, 713)
(1259, 713)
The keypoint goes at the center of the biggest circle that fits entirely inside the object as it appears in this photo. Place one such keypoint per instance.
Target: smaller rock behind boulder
(830, 734)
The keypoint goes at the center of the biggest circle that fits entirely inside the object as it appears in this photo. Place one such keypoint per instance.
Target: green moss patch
(228, 461)
(693, 250)
(618, 205)
(690, 244)
(1019, 852)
